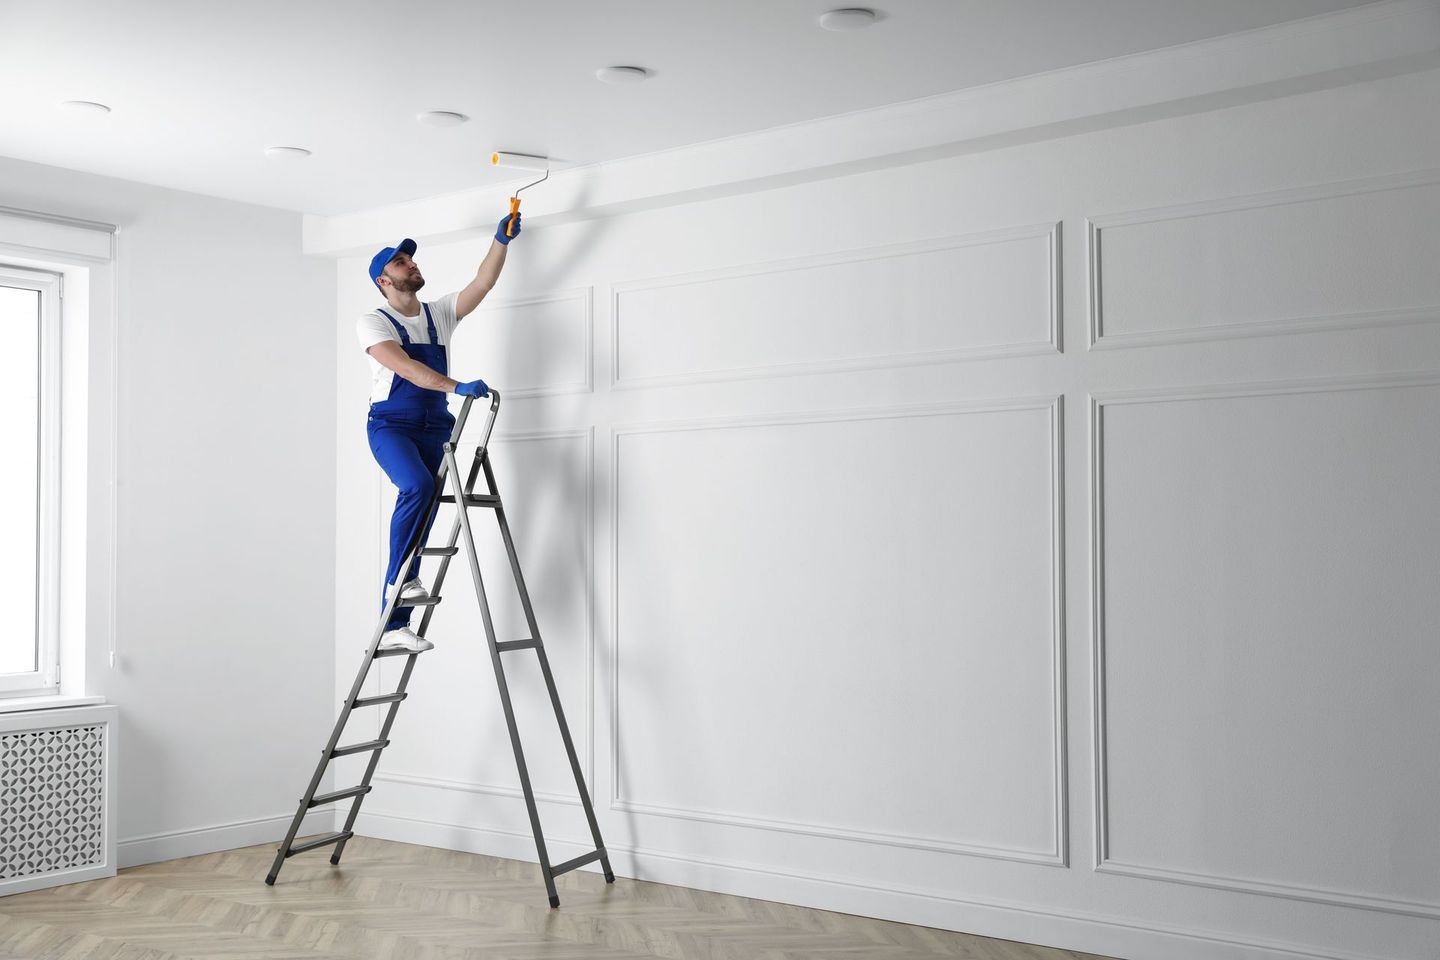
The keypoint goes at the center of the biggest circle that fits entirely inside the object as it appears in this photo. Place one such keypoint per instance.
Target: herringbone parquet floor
(396, 901)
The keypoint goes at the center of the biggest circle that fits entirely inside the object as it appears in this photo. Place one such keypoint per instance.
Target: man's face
(403, 274)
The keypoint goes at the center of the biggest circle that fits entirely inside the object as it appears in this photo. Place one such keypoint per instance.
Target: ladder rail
(447, 470)
(374, 762)
(357, 687)
(454, 539)
(327, 754)
(534, 814)
(539, 648)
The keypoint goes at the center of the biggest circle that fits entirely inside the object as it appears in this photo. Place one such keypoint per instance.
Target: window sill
(46, 703)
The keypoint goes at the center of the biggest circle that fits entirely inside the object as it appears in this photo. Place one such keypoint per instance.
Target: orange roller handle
(514, 209)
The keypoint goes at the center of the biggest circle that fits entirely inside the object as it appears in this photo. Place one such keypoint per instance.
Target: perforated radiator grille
(52, 800)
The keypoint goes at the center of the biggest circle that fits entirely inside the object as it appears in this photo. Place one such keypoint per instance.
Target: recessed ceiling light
(286, 153)
(86, 106)
(441, 118)
(848, 18)
(623, 74)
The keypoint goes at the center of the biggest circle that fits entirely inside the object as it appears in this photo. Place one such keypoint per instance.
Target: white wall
(225, 539)
(872, 583)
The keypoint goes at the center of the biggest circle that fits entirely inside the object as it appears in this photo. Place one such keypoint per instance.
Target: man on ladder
(414, 438)
(409, 418)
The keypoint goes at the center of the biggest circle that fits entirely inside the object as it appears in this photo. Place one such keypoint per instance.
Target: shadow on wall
(524, 274)
(538, 506)
(548, 489)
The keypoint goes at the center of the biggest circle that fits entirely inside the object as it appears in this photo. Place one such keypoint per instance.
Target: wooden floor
(396, 901)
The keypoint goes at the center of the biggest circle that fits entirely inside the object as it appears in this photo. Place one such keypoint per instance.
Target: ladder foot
(335, 860)
(609, 877)
(554, 901)
(270, 880)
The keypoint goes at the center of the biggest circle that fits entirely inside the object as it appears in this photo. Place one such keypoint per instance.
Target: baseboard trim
(1088, 933)
(156, 847)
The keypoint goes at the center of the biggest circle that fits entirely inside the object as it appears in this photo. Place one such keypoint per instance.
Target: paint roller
(519, 161)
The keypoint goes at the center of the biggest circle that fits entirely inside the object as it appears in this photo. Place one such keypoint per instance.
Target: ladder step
(569, 865)
(325, 798)
(395, 652)
(386, 698)
(324, 841)
(422, 602)
(474, 499)
(439, 551)
(517, 645)
(365, 747)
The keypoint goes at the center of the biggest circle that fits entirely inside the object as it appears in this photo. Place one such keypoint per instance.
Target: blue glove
(475, 388)
(500, 230)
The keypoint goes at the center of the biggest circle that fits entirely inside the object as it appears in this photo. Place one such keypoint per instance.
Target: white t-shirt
(373, 328)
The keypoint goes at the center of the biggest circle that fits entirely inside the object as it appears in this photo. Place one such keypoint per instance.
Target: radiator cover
(57, 797)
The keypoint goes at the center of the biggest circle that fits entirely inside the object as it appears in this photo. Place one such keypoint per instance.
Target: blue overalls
(408, 431)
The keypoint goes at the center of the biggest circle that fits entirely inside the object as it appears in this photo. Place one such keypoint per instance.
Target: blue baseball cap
(377, 263)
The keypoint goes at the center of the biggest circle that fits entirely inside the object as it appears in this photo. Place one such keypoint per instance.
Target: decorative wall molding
(587, 741)
(585, 297)
(1053, 404)
(1049, 231)
(988, 916)
(470, 786)
(1096, 225)
(1102, 861)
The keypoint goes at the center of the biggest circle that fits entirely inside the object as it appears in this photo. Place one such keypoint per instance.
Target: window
(30, 481)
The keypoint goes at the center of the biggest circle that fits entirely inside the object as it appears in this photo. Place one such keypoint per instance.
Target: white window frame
(45, 680)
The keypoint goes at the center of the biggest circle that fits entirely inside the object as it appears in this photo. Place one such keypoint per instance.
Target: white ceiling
(200, 87)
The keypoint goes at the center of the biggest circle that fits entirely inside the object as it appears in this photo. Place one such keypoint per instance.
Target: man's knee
(420, 485)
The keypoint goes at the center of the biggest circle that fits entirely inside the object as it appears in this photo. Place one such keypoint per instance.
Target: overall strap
(400, 329)
(430, 323)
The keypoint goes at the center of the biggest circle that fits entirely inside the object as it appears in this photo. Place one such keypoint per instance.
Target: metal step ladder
(466, 500)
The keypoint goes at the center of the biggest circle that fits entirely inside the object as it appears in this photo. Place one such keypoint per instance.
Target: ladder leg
(287, 846)
(374, 761)
(335, 734)
(412, 551)
(505, 694)
(319, 774)
(295, 823)
(550, 681)
(575, 766)
(404, 683)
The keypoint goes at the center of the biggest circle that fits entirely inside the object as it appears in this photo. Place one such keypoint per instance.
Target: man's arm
(489, 271)
(484, 281)
(389, 354)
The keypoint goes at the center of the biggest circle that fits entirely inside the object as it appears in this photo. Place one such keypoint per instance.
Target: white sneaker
(410, 590)
(403, 638)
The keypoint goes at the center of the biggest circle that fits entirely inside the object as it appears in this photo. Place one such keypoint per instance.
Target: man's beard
(407, 285)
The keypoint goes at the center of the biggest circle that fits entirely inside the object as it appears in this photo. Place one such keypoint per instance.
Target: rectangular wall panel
(1270, 680)
(528, 347)
(1347, 254)
(845, 627)
(451, 732)
(961, 298)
